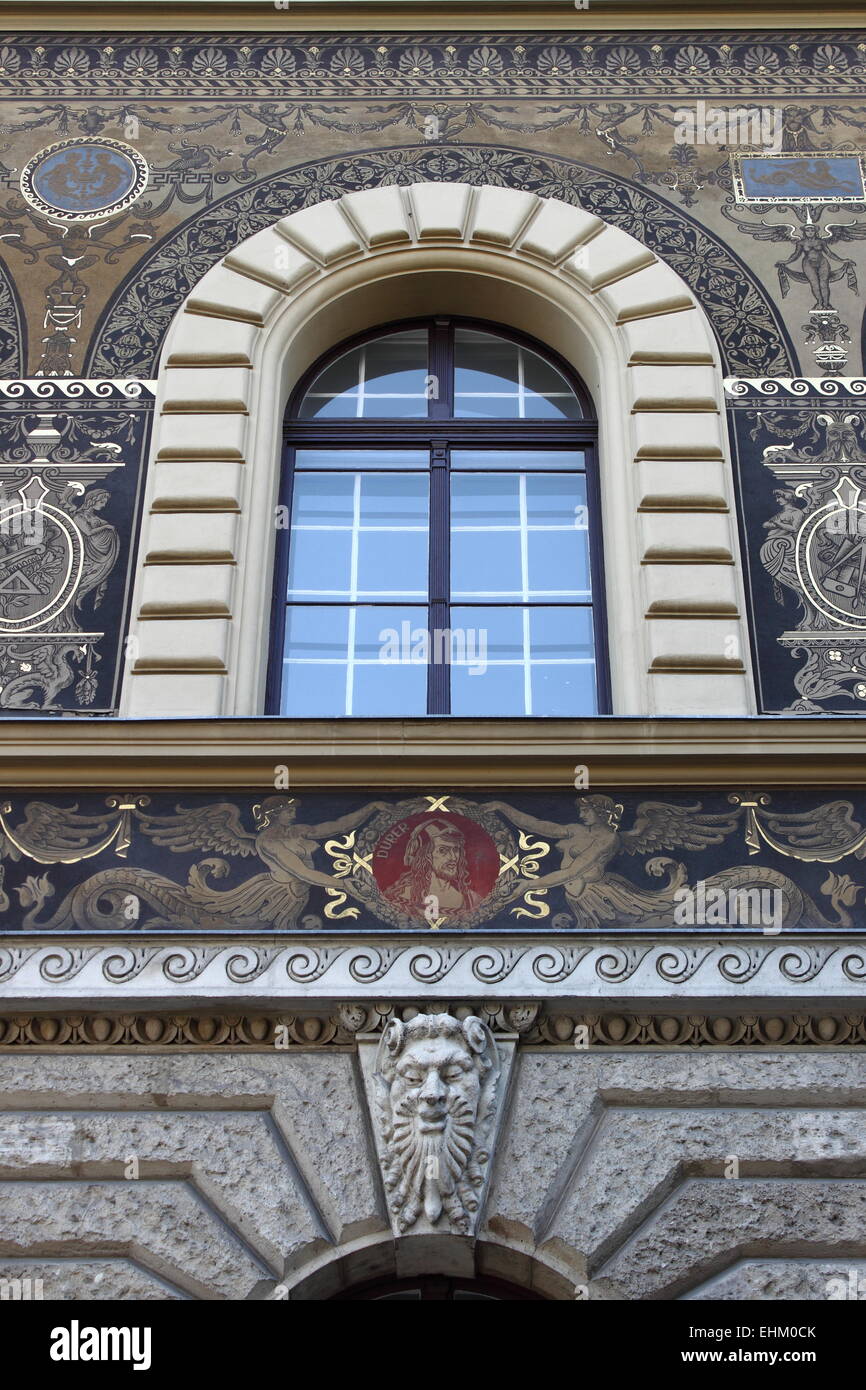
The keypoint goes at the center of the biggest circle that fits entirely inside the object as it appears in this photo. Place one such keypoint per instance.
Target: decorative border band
(534, 1028)
(115, 971)
(796, 385)
(77, 388)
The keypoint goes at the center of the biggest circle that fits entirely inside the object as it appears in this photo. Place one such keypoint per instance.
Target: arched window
(440, 551)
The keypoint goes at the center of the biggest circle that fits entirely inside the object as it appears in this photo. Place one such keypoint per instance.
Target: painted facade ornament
(814, 260)
(435, 863)
(826, 176)
(57, 552)
(816, 549)
(84, 179)
(436, 1084)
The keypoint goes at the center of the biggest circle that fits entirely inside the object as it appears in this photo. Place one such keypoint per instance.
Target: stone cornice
(216, 15)
(68, 754)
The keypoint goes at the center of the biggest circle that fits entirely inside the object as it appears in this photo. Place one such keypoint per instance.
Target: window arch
(440, 550)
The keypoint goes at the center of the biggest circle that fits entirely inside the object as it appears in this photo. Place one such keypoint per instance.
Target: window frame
(439, 433)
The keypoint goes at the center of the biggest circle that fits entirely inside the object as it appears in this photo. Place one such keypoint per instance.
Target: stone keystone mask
(436, 1081)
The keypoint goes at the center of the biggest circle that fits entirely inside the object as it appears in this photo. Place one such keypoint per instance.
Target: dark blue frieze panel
(800, 448)
(72, 460)
(738, 861)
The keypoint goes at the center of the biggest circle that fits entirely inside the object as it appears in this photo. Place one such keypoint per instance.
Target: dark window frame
(439, 433)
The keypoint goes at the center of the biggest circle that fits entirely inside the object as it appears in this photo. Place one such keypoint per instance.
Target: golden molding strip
(215, 15)
(70, 755)
(289, 1032)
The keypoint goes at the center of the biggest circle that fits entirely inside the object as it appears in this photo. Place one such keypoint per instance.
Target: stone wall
(660, 1174)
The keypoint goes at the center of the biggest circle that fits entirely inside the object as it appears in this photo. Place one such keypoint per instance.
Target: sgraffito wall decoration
(71, 470)
(133, 162)
(750, 331)
(741, 861)
(257, 125)
(801, 456)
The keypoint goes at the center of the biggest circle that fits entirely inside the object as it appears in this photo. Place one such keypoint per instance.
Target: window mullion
(438, 671)
(441, 369)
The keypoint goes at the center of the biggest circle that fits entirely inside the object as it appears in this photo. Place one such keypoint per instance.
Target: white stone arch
(627, 323)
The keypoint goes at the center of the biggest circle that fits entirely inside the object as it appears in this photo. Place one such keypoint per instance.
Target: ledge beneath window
(67, 754)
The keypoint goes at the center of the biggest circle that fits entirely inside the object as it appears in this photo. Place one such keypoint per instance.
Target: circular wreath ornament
(84, 179)
(400, 846)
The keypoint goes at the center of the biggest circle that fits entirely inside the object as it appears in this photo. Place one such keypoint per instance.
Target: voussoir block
(500, 214)
(322, 232)
(268, 257)
(439, 209)
(379, 214)
(557, 229)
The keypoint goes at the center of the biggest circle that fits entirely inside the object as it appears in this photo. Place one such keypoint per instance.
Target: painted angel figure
(276, 898)
(813, 248)
(588, 845)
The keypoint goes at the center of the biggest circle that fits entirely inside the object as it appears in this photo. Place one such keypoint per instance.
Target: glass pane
(314, 665)
(563, 661)
(556, 500)
(498, 691)
(546, 393)
(385, 377)
(486, 564)
(528, 460)
(486, 376)
(479, 499)
(323, 499)
(354, 459)
(558, 565)
(498, 379)
(389, 690)
(395, 500)
(389, 675)
(392, 564)
(320, 564)
(489, 407)
(488, 635)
